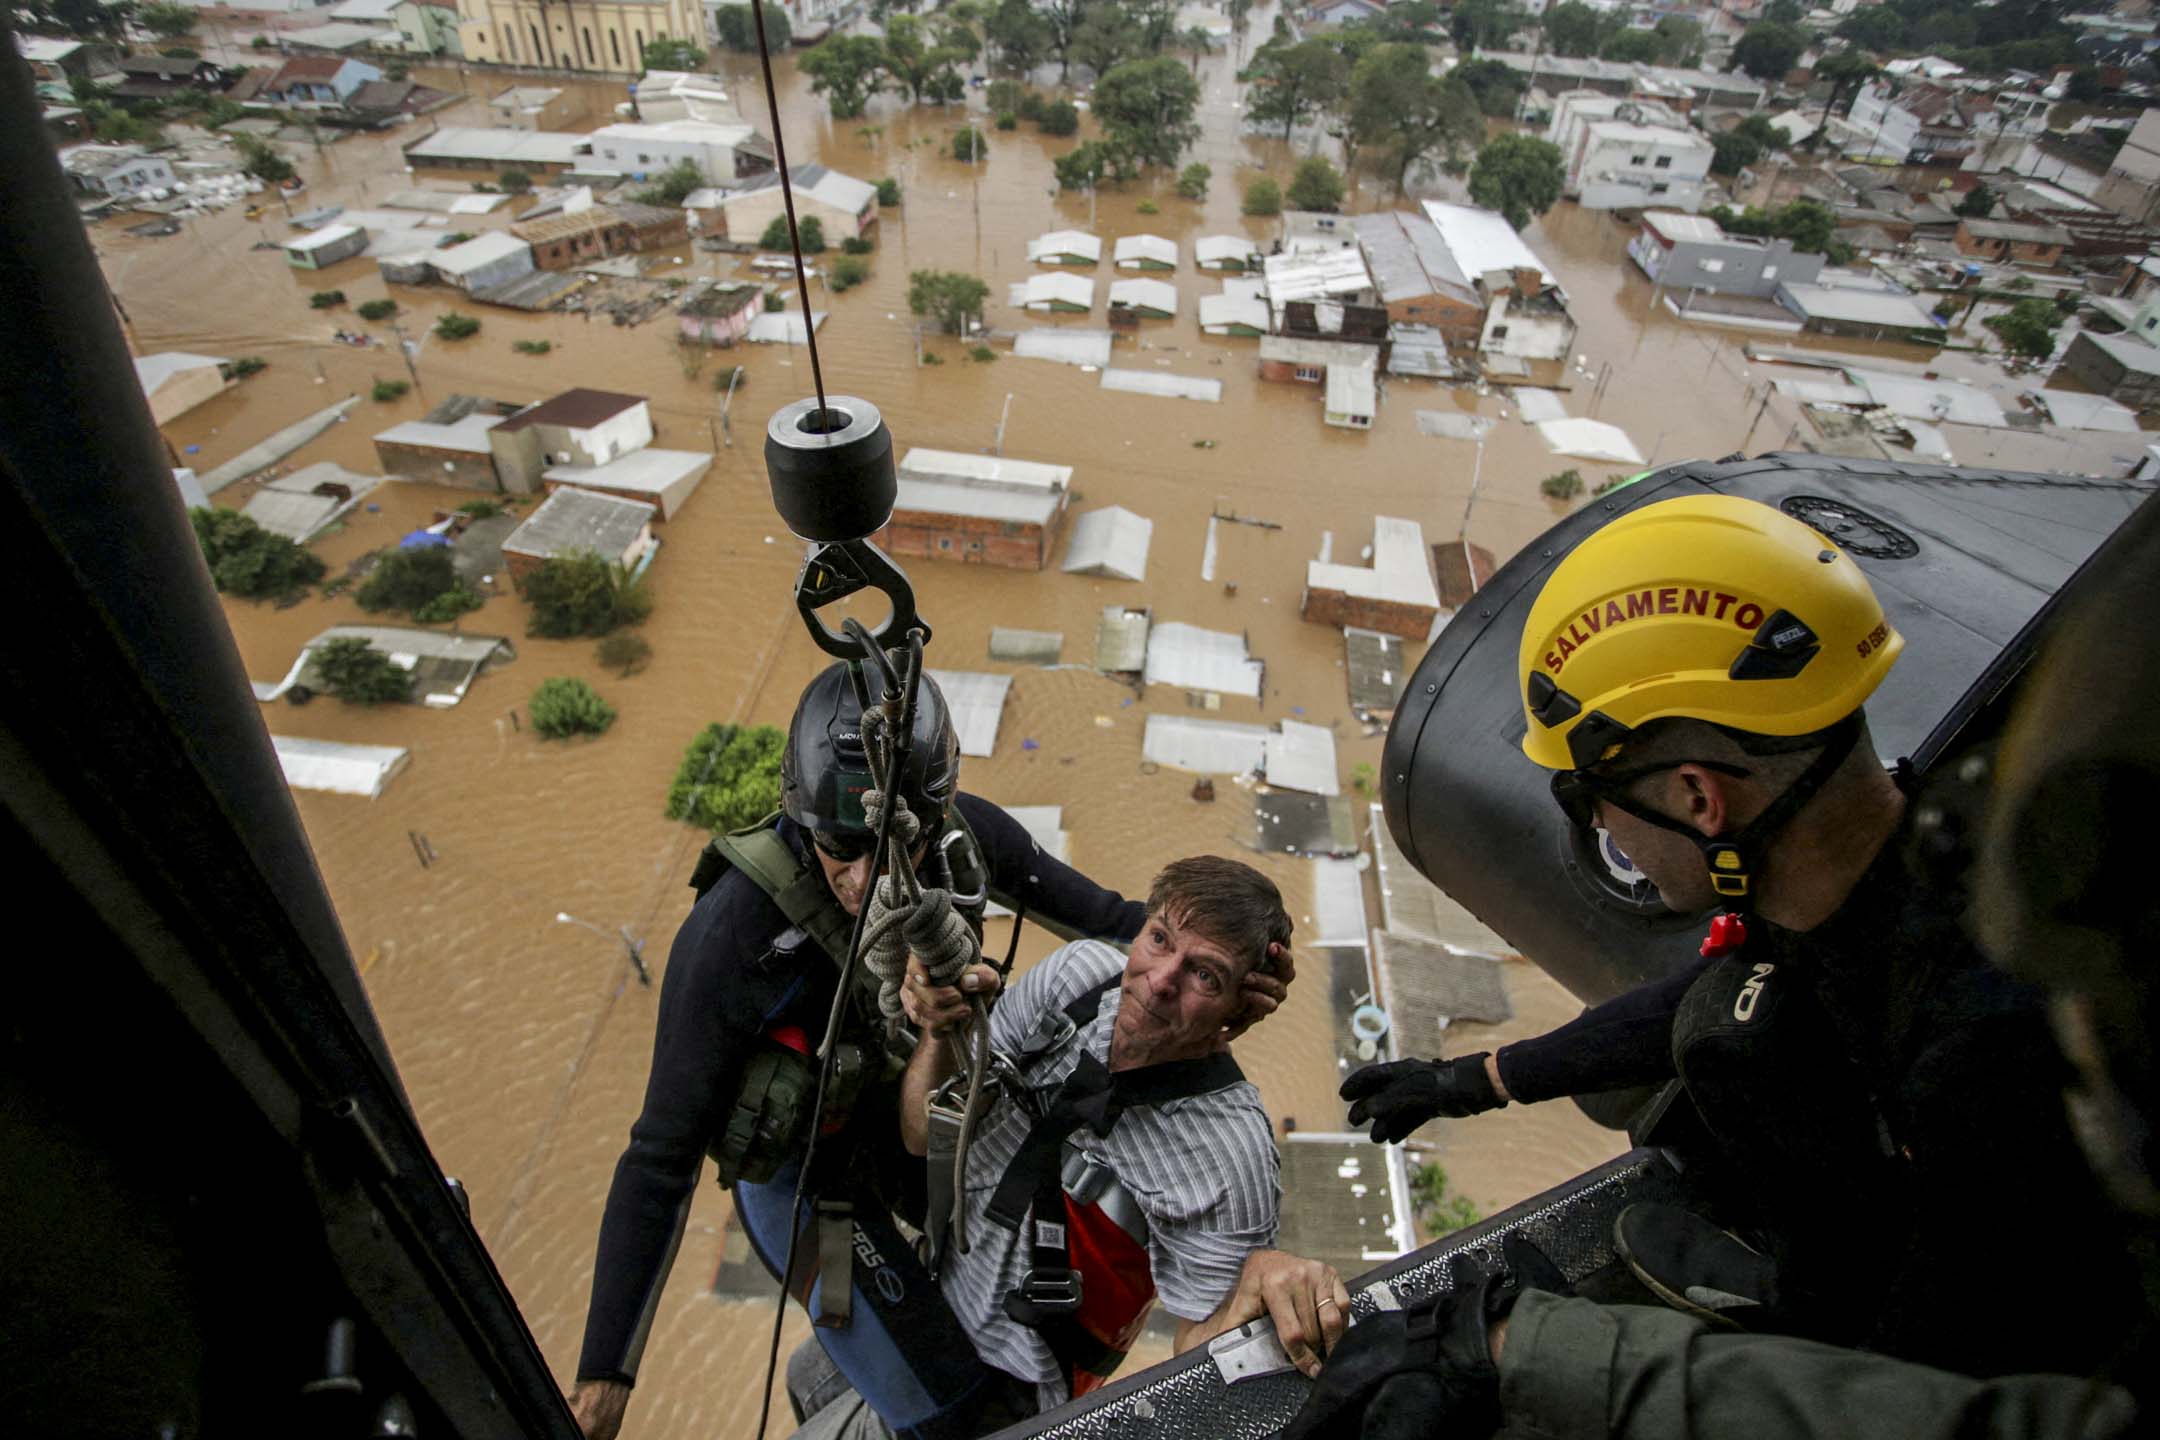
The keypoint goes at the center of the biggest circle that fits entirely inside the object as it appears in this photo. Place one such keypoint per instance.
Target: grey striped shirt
(1203, 1169)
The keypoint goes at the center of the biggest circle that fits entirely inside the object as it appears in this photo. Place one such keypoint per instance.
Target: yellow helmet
(1711, 607)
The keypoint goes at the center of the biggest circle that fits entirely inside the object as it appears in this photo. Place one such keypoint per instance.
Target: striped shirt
(1203, 1169)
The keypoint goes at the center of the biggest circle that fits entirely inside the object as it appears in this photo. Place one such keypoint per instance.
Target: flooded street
(524, 1041)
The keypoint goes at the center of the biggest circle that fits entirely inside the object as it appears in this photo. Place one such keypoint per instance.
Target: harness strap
(836, 1264)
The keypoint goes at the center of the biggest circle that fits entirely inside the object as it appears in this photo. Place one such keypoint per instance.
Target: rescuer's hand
(1264, 991)
(934, 1009)
(597, 1406)
(1401, 1095)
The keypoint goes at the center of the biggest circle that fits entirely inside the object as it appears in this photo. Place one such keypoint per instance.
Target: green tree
(514, 181)
(1518, 176)
(675, 185)
(1263, 197)
(1846, 71)
(915, 61)
(1295, 82)
(888, 193)
(1060, 118)
(561, 707)
(249, 561)
(947, 297)
(407, 579)
(1809, 224)
(1874, 27)
(261, 160)
(1784, 12)
(1734, 152)
(1105, 35)
(168, 21)
(1146, 109)
(1630, 46)
(776, 235)
(1192, 181)
(1496, 87)
(665, 54)
(326, 299)
(376, 309)
(386, 391)
(1486, 24)
(582, 594)
(849, 271)
(1680, 40)
(737, 28)
(1400, 108)
(1566, 485)
(1062, 18)
(969, 145)
(1978, 203)
(1315, 185)
(1019, 34)
(1438, 1211)
(1573, 29)
(2084, 85)
(453, 326)
(2027, 328)
(357, 673)
(1768, 50)
(847, 70)
(729, 777)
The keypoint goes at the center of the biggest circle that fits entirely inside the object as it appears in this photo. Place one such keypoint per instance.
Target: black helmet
(825, 770)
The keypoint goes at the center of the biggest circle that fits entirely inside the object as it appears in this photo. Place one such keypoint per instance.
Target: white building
(1150, 299)
(1226, 252)
(117, 171)
(1065, 247)
(175, 382)
(720, 152)
(1526, 313)
(1626, 154)
(1146, 252)
(664, 95)
(1066, 294)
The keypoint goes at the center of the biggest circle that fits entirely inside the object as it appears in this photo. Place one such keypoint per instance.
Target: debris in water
(1203, 444)
(1030, 745)
(1104, 722)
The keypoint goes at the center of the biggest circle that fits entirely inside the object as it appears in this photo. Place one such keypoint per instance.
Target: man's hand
(1401, 1095)
(597, 1406)
(1264, 992)
(1305, 1299)
(934, 1009)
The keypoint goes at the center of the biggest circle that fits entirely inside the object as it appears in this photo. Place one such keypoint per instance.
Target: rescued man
(1125, 1160)
(1693, 672)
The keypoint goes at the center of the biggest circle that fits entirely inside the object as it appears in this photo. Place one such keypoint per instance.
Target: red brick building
(1394, 595)
(982, 509)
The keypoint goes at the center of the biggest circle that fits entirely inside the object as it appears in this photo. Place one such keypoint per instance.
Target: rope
(787, 198)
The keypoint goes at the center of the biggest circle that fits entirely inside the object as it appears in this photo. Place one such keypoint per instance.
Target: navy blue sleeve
(1057, 897)
(714, 1001)
(1625, 1041)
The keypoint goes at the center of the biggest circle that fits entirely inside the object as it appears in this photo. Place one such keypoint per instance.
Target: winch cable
(787, 199)
(895, 704)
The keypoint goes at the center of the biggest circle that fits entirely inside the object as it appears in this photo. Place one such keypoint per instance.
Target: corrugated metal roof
(977, 502)
(1427, 985)
(469, 434)
(152, 371)
(1860, 307)
(1315, 275)
(989, 471)
(1376, 668)
(1067, 347)
(577, 409)
(574, 519)
(1186, 655)
(1351, 390)
(651, 471)
(1121, 640)
(1299, 350)
(1299, 756)
(1338, 918)
(1065, 242)
(337, 768)
(1134, 251)
(1206, 747)
(1112, 541)
(479, 252)
(1216, 249)
(1482, 241)
(976, 702)
(1408, 258)
(1026, 647)
(1219, 314)
(1040, 292)
(1170, 387)
(1155, 295)
(1399, 573)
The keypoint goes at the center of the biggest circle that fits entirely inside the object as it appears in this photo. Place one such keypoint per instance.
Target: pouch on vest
(769, 1123)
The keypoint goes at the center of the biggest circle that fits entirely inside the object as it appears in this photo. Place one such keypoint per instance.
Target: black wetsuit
(1899, 1126)
(737, 969)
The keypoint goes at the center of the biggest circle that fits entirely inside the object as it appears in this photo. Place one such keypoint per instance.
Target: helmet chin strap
(1735, 860)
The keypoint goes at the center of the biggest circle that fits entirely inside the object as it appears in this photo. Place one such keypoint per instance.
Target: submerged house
(983, 509)
(1143, 299)
(571, 520)
(1234, 253)
(1065, 247)
(722, 314)
(1146, 252)
(1394, 595)
(1056, 294)
(1526, 312)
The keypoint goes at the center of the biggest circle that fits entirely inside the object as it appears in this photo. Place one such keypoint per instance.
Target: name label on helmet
(1874, 640)
(1641, 604)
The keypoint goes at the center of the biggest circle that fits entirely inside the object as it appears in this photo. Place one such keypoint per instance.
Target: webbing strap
(794, 885)
(836, 1264)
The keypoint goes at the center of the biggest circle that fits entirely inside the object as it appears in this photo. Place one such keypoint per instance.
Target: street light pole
(634, 948)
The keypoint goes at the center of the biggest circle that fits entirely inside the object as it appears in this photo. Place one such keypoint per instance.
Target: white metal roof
(2132, 354)
(1067, 347)
(1590, 440)
(2079, 411)
(1860, 307)
(479, 252)
(1039, 291)
(699, 132)
(328, 235)
(1299, 756)
(1674, 225)
(1315, 275)
(1181, 654)
(1218, 313)
(1112, 541)
(1413, 905)
(1338, 918)
(976, 702)
(1144, 295)
(1351, 390)
(154, 370)
(482, 142)
(1213, 249)
(645, 471)
(1401, 571)
(1065, 242)
(1135, 250)
(45, 49)
(1482, 241)
(1538, 406)
(468, 434)
(1209, 747)
(339, 35)
(989, 472)
(783, 328)
(336, 767)
(977, 502)
(1932, 400)
(365, 9)
(1155, 382)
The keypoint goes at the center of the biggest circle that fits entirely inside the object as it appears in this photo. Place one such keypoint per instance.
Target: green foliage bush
(1060, 118)
(1316, 185)
(857, 245)
(408, 579)
(1565, 485)
(1148, 207)
(376, 309)
(453, 326)
(1006, 120)
(981, 354)
(248, 365)
(481, 509)
(729, 777)
(532, 347)
(386, 391)
(849, 271)
(1006, 95)
(625, 651)
(582, 594)
(811, 228)
(968, 145)
(674, 185)
(349, 668)
(326, 299)
(1032, 107)
(888, 193)
(514, 181)
(562, 707)
(1192, 181)
(1263, 197)
(249, 561)
(447, 606)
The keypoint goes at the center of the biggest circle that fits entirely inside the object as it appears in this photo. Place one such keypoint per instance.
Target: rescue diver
(1693, 674)
(1125, 1159)
(2065, 902)
(750, 982)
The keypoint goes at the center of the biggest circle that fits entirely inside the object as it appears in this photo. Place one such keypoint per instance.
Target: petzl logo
(889, 1285)
(1743, 1005)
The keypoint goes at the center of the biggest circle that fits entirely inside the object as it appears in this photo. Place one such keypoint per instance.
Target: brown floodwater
(524, 1042)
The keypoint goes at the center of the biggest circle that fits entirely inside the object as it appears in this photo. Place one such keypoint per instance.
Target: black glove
(1401, 1095)
(1428, 1370)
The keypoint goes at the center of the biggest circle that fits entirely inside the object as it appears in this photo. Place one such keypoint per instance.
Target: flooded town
(1202, 437)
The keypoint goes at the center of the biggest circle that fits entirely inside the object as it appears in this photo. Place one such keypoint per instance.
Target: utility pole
(406, 348)
(1003, 415)
(727, 401)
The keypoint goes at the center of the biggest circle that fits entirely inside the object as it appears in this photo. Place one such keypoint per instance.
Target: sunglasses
(1577, 792)
(843, 847)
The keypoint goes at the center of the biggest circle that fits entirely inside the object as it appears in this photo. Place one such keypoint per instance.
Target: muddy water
(524, 1041)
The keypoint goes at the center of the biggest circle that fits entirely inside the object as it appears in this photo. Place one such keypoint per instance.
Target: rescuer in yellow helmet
(1693, 675)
